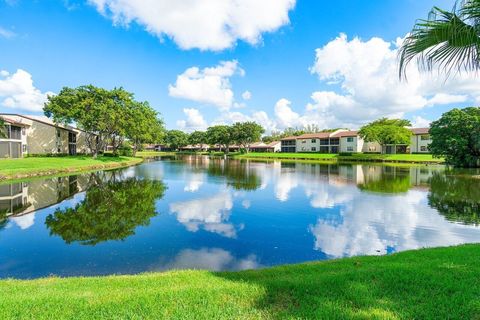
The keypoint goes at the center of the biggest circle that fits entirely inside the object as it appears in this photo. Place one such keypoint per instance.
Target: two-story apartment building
(345, 141)
(39, 135)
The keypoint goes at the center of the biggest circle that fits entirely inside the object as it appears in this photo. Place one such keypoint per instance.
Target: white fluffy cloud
(247, 95)
(208, 85)
(18, 92)
(213, 259)
(366, 76)
(210, 214)
(194, 121)
(206, 24)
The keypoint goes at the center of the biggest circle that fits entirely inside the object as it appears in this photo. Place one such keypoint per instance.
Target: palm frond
(447, 40)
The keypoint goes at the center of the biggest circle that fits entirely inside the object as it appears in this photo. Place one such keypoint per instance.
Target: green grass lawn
(17, 168)
(422, 158)
(438, 283)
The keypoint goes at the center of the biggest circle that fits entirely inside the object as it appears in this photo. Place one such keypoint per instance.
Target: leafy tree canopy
(456, 137)
(222, 135)
(387, 131)
(107, 212)
(197, 137)
(109, 115)
(246, 133)
(176, 139)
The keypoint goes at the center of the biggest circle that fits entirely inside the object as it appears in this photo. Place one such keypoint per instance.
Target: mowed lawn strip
(440, 283)
(37, 166)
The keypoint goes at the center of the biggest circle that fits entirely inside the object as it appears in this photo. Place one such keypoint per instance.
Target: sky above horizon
(281, 63)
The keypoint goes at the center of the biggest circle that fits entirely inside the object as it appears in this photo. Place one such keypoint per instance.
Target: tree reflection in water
(391, 180)
(456, 197)
(238, 175)
(111, 210)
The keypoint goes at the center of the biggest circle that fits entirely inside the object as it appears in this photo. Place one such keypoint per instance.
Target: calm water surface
(196, 212)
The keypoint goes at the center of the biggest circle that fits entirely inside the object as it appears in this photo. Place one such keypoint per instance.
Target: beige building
(274, 146)
(39, 135)
(345, 141)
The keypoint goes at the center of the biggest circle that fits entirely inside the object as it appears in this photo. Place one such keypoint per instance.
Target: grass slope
(438, 283)
(37, 166)
(408, 158)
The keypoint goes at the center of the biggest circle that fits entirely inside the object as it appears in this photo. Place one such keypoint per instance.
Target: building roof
(290, 138)
(318, 135)
(263, 145)
(349, 133)
(16, 120)
(42, 119)
(420, 130)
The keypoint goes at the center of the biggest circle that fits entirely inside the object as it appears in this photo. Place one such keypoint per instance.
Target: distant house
(40, 135)
(346, 141)
(195, 148)
(274, 146)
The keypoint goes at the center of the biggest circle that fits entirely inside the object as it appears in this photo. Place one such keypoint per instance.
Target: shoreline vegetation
(320, 157)
(31, 167)
(436, 283)
(16, 169)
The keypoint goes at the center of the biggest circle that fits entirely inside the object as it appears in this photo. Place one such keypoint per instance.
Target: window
(349, 149)
(350, 139)
(425, 137)
(424, 148)
(24, 148)
(58, 133)
(15, 132)
(59, 150)
(314, 140)
(314, 149)
(304, 141)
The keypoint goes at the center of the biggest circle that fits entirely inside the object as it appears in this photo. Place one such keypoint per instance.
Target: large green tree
(96, 110)
(386, 131)
(222, 135)
(110, 116)
(448, 40)
(456, 137)
(246, 133)
(144, 125)
(197, 137)
(176, 139)
(110, 211)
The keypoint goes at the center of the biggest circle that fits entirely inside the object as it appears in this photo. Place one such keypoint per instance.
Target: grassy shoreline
(388, 158)
(319, 157)
(436, 283)
(15, 169)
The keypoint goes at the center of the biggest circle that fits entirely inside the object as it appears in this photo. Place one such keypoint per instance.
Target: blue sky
(269, 50)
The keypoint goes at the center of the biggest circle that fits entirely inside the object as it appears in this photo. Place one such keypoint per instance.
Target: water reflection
(111, 210)
(229, 215)
(456, 196)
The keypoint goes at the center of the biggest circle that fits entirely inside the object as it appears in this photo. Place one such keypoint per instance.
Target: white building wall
(355, 145)
(417, 145)
(306, 145)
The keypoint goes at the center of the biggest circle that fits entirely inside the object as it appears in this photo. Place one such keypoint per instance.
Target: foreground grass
(407, 158)
(38, 166)
(438, 283)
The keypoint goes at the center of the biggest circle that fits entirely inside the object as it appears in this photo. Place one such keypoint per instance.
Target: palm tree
(447, 40)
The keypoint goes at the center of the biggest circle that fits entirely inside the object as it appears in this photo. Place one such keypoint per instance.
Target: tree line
(115, 118)
(242, 134)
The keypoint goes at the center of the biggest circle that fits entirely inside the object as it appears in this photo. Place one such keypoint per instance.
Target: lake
(208, 213)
